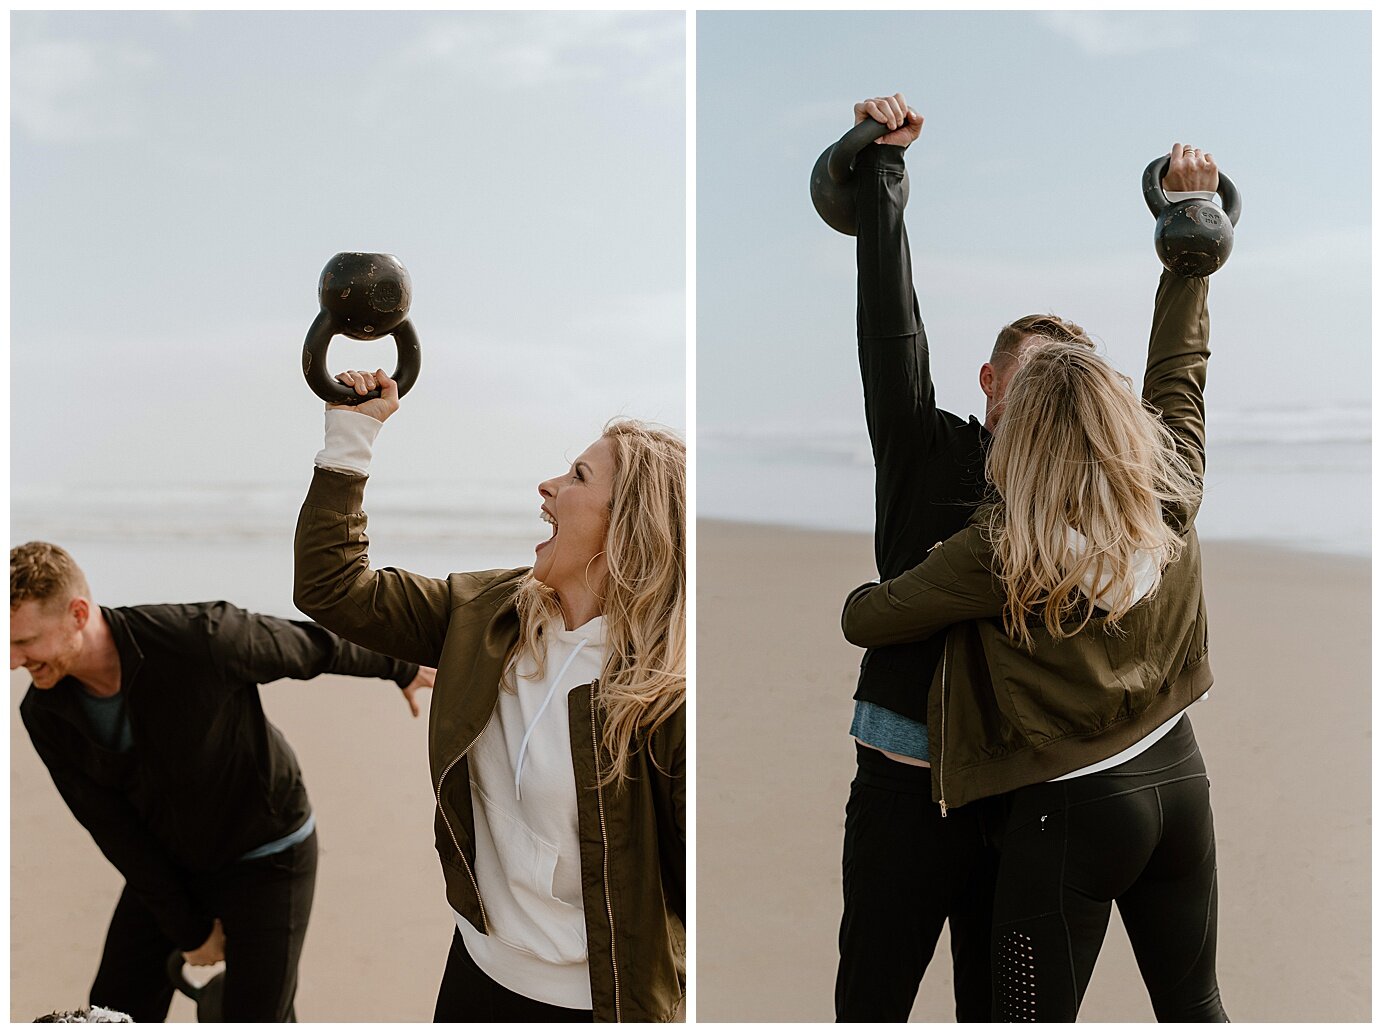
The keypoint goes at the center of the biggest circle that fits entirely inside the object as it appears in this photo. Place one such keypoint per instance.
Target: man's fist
(212, 951)
(895, 114)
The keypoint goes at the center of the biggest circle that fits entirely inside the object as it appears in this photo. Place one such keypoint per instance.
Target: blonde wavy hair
(643, 599)
(1076, 448)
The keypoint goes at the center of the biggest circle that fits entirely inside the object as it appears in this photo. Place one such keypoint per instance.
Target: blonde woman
(557, 727)
(1084, 642)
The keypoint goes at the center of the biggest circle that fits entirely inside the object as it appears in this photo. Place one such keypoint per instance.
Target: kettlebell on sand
(208, 996)
(1193, 237)
(364, 296)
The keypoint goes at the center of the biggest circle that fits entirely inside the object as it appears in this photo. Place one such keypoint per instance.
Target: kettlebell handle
(328, 388)
(1155, 194)
(179, 979)
(842, 155)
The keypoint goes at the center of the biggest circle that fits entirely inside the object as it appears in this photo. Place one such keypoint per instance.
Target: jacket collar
(131, 656)
(455, 727)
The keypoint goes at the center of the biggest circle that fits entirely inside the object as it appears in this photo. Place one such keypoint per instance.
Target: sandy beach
(1285, 735)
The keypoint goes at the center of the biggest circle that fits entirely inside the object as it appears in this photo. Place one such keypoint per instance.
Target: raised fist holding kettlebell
(376, 394)
(885, 120)
(1193, 237)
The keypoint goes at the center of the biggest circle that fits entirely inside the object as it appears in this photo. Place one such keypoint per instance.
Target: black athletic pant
(1140, 833)
(906, 871)
(468, 995)
(263, 906)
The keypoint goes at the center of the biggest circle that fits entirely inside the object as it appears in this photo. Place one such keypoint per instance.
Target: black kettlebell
(1193, 237)
(363, 296)
(208, 996)
(832, 177)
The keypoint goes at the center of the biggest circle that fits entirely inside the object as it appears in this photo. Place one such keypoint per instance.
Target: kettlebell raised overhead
(1193, 237)
(364, 296)
(832, 178)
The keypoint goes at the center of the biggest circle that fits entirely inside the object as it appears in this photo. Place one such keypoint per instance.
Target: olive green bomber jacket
(1001, 716)
(632, 836)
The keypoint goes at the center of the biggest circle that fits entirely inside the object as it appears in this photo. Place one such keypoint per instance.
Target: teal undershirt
(885, 729)
(108, 720)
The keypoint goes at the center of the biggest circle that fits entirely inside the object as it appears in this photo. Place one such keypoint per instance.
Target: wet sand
(1286, 736)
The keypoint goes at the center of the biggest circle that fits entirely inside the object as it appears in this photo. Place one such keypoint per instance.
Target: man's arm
(1178, 352)
(954, 584)
(122, 838)
(258, 648)
(894, 362)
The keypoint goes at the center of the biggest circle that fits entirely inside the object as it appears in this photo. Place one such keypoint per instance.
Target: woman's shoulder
(482, 587)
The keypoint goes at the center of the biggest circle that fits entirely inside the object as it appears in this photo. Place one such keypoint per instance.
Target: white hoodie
(527, 847)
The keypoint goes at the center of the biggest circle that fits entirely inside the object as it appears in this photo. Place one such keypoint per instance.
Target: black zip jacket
(208, 778)
(929, 464)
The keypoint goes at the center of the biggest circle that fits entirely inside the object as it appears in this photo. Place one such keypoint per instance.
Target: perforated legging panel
(1015, 978)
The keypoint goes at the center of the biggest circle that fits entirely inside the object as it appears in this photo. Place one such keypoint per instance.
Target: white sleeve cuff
(349, 441)
(1184, 195)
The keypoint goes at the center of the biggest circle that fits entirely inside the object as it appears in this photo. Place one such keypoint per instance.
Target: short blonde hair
(44, 573)
(1050, 329)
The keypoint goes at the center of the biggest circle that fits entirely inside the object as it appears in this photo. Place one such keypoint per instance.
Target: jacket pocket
(1199, 643)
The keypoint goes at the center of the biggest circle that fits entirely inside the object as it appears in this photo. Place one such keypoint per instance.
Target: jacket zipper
(446, 771)
(945, 689)
(609, 904)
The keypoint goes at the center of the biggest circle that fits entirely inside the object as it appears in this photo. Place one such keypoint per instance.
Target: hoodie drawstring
(528, 732)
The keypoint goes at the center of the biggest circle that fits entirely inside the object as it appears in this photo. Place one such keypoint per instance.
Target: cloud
(545, 50)
(70, 91)
(1116, 33)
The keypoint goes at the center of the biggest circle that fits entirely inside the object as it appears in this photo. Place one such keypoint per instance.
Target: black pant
(263, 906)
(468, 995)
(906, 871)
(1142, 834)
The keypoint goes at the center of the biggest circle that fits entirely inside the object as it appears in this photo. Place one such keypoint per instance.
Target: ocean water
(179, 543)
(1297, 479)
(1300, 479)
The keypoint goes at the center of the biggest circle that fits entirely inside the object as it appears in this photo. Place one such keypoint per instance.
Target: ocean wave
(189, 512)
(839, 442)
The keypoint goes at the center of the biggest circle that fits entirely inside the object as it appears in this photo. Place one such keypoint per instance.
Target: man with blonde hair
(909, 866)
(148, 718)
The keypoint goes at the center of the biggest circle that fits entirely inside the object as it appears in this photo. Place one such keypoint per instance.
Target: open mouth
(549, 519)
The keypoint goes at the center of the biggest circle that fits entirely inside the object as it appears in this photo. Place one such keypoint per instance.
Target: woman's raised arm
(391, 611)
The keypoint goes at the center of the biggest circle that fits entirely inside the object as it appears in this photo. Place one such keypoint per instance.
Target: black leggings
(1140, 833)
(468, 995)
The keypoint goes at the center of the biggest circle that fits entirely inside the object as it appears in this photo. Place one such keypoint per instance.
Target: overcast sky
(179, 181)
(1025, 197)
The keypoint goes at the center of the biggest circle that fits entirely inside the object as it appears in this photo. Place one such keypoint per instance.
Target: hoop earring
(585, 575)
